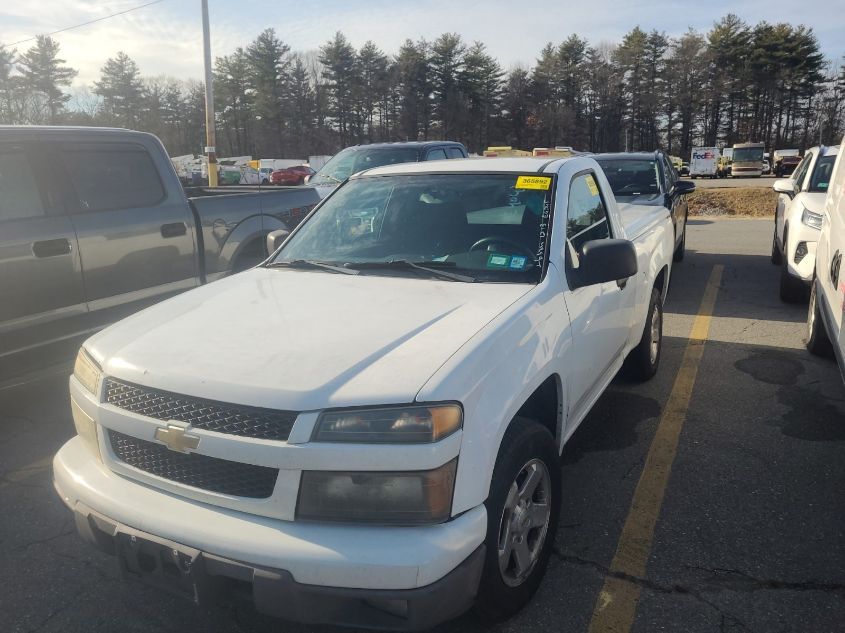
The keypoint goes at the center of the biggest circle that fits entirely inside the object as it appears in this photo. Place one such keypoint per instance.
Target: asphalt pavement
(749, 535)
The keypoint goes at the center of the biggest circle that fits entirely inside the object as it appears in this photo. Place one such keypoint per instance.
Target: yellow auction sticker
(591, 185)
(533, 182)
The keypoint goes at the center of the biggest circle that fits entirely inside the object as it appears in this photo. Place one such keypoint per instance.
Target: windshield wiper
(308, 263)
(404, 263)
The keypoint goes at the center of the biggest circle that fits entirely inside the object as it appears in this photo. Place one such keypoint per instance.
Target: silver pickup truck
(94, 225)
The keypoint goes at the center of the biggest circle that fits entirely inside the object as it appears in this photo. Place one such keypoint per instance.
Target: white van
(827, 296)
(704, 162)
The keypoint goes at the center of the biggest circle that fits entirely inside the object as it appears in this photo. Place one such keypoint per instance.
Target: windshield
(821, 174)
(631, 177)
(492, 227)
(351, 161)
(748, 155)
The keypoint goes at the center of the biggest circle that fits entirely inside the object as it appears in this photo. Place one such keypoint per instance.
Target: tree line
(736, 82)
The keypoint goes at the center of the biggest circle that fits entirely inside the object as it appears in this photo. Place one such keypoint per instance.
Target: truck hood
(301, 340)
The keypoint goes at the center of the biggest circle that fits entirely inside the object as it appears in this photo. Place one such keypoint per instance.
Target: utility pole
(210, 149)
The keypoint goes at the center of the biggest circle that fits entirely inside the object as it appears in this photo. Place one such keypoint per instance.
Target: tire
(818, 341)
(526, 447)
(680, 251)
(644, 359)
(792, 290)
(265, 182)
(776, 254)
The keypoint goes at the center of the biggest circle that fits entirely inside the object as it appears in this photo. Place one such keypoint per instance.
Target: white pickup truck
(375, 440)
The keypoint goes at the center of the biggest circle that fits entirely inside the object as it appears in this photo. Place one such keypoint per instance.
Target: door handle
(51, 248)
(173, 230)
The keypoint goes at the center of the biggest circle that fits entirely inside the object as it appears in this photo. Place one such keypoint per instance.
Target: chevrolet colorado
(393, 460)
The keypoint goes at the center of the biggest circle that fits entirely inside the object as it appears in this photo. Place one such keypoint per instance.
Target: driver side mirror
(275, 239)
(306, 179)
(786, 186)
(601, 261)
(684, 186)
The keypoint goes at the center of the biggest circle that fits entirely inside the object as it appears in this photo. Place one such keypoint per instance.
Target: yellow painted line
(616, 605)
(30, 470)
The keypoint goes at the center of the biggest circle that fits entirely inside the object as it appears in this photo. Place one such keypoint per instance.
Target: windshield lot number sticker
(533, 182)
(498, 261)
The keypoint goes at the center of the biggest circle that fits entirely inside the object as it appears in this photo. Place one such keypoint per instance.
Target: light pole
(210, 149)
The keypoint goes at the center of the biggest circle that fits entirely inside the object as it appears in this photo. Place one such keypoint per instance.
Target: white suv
(827, 297)
(798, 218)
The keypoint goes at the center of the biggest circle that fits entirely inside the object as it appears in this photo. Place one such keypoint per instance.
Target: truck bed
(639, 219)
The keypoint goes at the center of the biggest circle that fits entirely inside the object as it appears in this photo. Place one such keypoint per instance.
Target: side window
(113, 176)
(19, 195)
(454, 152)
(801, 171)
(436, 154)
(586, 214)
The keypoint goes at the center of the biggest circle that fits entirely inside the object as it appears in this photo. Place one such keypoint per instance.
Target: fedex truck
(704, 162)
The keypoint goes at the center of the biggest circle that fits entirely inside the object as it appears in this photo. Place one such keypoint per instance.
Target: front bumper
(805, 268)
(302, 571)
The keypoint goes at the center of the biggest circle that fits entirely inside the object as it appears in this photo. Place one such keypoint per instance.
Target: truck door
(600, 315)
(135, 231)
(830, 272)
(41, 296)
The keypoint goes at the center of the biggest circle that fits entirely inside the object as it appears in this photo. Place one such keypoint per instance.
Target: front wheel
(644, 359)
(818, 341)
(680, 251)
(776, 254)
(792, 290)
(522, 517)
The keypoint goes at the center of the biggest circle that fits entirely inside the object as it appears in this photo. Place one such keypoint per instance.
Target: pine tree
(269, 61)
(340, 68)
(447, 64)
(44, 75)
(122, 91)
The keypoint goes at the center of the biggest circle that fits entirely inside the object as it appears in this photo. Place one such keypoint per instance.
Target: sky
(166, 38)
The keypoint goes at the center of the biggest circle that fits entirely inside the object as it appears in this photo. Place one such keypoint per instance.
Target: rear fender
(231, 242)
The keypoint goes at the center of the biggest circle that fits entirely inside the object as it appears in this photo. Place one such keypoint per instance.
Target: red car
(291, 175)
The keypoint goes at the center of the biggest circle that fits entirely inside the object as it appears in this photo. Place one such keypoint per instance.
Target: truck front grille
(209, 415)
(199, 471)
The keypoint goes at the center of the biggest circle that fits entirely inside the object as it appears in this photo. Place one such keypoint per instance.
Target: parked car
(109, 232)
(785, 161)
(798, 220)
(394, 459)
(647, 178)
(767, 168)
(684, 170)
(295, 175)
(264, 174)
(827, 294)
(361, 157)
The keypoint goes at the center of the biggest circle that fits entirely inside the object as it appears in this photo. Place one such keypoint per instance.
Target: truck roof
(457, 165)
(33, 131)
(629, 155)
(419, 144)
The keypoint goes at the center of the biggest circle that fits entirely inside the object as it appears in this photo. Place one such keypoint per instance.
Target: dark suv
(648, 178)
(361, 157)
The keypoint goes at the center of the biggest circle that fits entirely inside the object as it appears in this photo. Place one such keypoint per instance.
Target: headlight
(86, 371)
(395, 498)
(390, 425)
(811, 219)
(85, 427)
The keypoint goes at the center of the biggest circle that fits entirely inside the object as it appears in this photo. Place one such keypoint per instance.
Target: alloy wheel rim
(811, 314)
(525, 522)
(654, 348)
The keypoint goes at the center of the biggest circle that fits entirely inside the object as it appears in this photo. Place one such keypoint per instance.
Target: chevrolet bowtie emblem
(176, 438)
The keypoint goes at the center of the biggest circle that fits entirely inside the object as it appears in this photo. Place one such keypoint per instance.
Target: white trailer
(704, 162)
